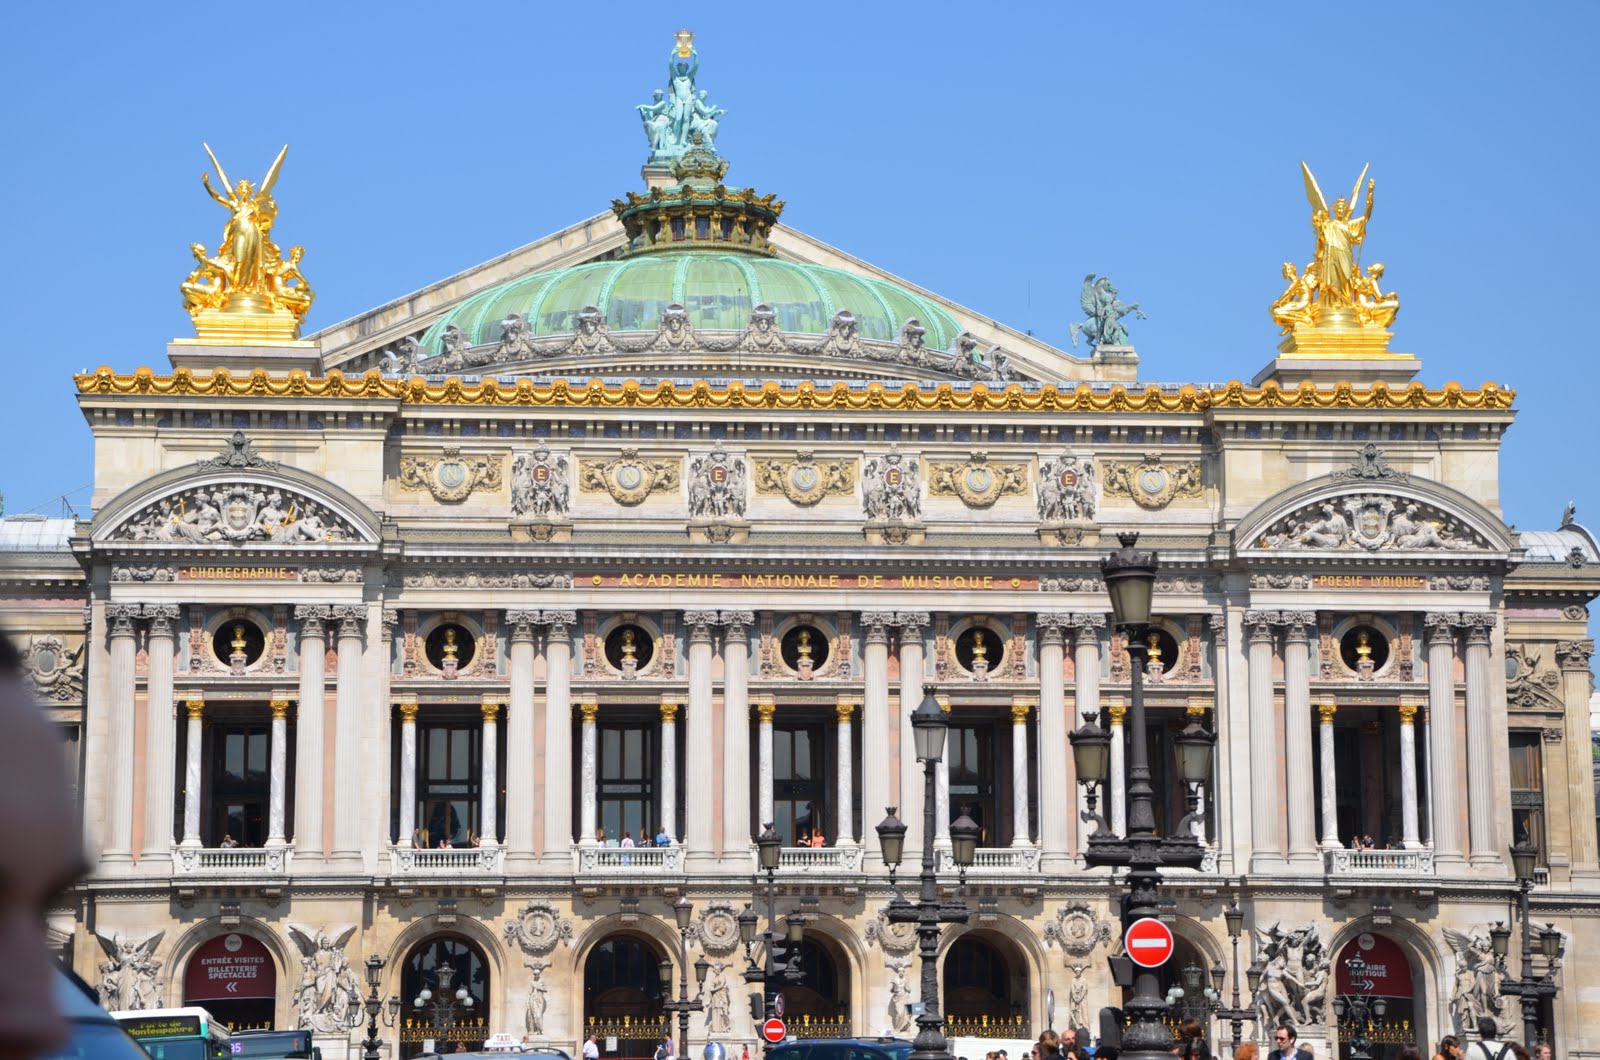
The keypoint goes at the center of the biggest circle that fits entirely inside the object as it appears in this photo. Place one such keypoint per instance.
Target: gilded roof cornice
(839, 397)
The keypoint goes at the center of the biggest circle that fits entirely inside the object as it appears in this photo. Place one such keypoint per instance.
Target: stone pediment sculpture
(1151, 484)
(1104, 311)
(1370, 522)
(1475, 989)
(539, 486)
(978, 482)
(805, 480)
(628, 478)
(328, 995)
(450, 477)
(236, 513)
(1295, 979)
(128, 975)
(1531, 685)
(54, 673)
(717, 486)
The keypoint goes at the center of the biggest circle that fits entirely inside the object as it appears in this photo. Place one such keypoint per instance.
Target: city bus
(176, 1033)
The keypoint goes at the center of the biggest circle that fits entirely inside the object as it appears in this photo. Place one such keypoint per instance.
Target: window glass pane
(458, 755)
(802, 755)
(258, 755)
(610, 752)
(233, 755)
(633, 759)
(1525, 766)
(438, 739)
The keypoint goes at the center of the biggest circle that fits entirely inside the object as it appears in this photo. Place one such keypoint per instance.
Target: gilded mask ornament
(450, 476)
(978, 482)
(1151, 484)
(805, 480)
(628, 478)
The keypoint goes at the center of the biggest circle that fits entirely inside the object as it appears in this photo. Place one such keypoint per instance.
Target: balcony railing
(230, 861)
(1013, 1028)
(1342, 862)
(628, 861)
(994, 861)
(452, 861)
(795, 861)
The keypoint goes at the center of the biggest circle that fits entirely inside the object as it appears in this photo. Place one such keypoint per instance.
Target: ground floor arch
(622, 992)
(819, 1005)
(1377, 967)
(986, 987)
(436, 972)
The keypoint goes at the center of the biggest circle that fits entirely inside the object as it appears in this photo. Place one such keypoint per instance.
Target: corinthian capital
(122, 617)
(700, 623)
(1574, 654)
(521, 623)
(911, 624)
(737, 622)
(1260, 623)
(352, 619)
(1478, 624)
(876, 625)
(559, 622)
(161, 617)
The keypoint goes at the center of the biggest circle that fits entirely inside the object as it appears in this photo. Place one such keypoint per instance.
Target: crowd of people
(1191, 1045)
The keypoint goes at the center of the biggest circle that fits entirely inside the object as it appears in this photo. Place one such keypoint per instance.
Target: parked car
(95, 1035)
(842, 1049)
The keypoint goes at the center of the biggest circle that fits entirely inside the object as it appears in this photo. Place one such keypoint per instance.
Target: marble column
(119, 784)
(1481, 742)
(765, 708)
(522, 746)
(1055, 806)
(1573, 657)
(911, 625)
(1297, 735)
(875, 797)
(557, 750)
(347, 752)
(278, 779)
(489, 793)
(1266, 801)
(941, 787)
(1117, 777)
(1195, 713)
(699, 747)
(1444, 807)
(844, 828)
(1085, 694)
(669, 771)
(1330, 778)
(160, 735)
(313, 654)
(1409, 837)
(1020, 835)
(196, 709)
(408, 771)
(589, 779)
(736, 833)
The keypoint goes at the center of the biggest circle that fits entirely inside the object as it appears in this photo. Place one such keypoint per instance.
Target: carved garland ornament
(538, 929)
(717, 930)
(1370, 522)
(1150, 483)
(1076, 930)
(628, 478)
(804, 480)
(450, 476)
(977, 482)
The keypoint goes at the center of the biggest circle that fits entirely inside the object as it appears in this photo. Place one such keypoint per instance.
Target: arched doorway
(819, 1005)
(622, 995)
(1184, 980)
(444, 966)
(234, 977)
(985, 988)
(1374, 967)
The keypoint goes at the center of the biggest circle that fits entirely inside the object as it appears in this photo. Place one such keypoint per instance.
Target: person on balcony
(662, 838)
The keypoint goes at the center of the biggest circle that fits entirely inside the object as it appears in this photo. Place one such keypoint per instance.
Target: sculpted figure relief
(128, 974)
(235, 515)
(1372, 522)
(328, 996)
(891, 487)
(53, 672)
(1294, 980)
(1105, 310)
(1066, 489)
(1476, 990)
(539, 488)
(717, 486)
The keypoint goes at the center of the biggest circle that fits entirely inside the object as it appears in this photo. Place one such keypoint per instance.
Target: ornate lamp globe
(928, 729)
(701, 968)
(892, 838)
(665, 971)
(374, 971)
(1550, 942)
(795, 929)
(1252, 974)
(1235, 918)
(1523, 856)
(964, 832)
(1091, 752)
(769, 848)
(1130, 577)
(1500, 938)
(683, 911)
(1194, 745)
(747, 925)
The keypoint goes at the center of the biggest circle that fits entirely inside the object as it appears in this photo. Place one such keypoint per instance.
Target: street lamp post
(369, 1047)
(1130, 575)
(780, 951)
(1234, 1014)
(683, 911)
(929, 729)
(1356, 1011)
(1533, 990)
(442, 1006)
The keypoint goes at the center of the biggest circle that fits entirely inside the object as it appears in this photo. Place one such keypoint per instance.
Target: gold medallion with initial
(629, 478)
(450, 476)
(1150, 483)
(978, 482)
(805, 480)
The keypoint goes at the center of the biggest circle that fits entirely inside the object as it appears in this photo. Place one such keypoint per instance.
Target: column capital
(844, 707)
(520, 623)
(1218, 623)
(1021, 706)
(1408, 713)
(1478, 625)
(1260, 625)
(876, 625)
(1052, 626)
(700, 623)
(313, 619)
(589, 707)
(122, 618)
(195, 705)
(911, 624)
(490, 708)
(408, 709)
(161, 617)
(1298, 623)
(388, 618)
(1116, 712)
(559, 623)
(280, 708)
(352, 617)
(669, 709)
(738, 622)
(1574, 655)
(766, 707)
(1440, 625)
(1326, 711)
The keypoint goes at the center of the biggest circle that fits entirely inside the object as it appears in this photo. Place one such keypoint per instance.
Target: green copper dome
(718, 289)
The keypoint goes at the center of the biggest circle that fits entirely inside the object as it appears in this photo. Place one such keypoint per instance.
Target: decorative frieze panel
(1067, 489)
(1151, 484)
(979, 482)
(55, 673)
(1370, 522)
(717, 486)
(628, 478)
(233, 514)
(450, 476)
(891, 487)
(488, 580)
(539, 485)
(804, 479)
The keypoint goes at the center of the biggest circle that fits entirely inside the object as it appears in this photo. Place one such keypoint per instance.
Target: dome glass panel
(640, 294)
(716, 292)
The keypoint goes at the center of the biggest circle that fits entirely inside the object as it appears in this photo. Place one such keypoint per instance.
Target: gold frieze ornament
(629, 478)
(1335, 308)
(450, 477)
(805, 480)
(248, 293)
(978, 482)
(1150, 483)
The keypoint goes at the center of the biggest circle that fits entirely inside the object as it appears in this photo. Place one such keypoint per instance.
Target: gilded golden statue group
(1334, 290)
(248, 275)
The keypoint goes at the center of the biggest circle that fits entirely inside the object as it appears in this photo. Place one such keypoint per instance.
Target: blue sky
(992, 153)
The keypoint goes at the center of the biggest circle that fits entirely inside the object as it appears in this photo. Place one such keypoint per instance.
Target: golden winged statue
(248, 291)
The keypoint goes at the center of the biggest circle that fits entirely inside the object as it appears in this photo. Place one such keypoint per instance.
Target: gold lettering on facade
(257, 574)
(1369, 581)
(787, 580)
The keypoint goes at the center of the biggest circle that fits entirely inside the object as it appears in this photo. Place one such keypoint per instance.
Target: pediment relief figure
(236, 513)
(1370, 522)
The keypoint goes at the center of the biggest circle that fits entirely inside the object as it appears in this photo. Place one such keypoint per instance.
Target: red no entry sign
(774, 1031)
(1149, 942)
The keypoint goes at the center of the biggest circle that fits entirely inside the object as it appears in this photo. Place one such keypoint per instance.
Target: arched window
(444, 966)
(622, 993)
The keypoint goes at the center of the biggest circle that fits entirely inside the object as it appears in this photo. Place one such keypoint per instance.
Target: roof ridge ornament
(238, 451)
(1370, 464)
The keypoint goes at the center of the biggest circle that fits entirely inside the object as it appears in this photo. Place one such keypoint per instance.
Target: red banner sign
(228, 968)
(1383, 967)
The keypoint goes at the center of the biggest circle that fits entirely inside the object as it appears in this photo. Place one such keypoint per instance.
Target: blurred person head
(39, 856)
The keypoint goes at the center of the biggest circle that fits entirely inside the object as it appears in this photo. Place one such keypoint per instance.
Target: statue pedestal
(556, 531)
(1337, 349)
(1118, 364)
(719, 532)
(895, 533)
(204, 356)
